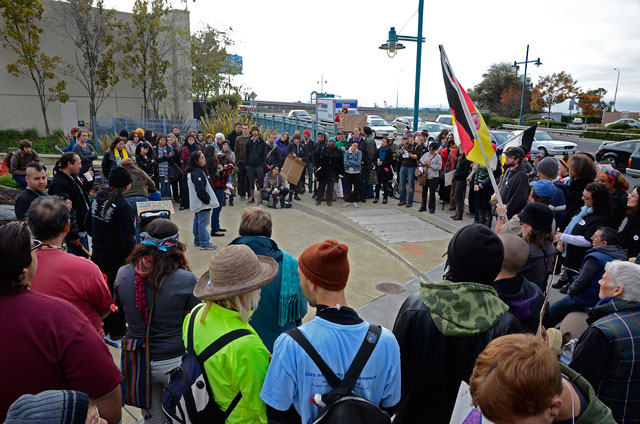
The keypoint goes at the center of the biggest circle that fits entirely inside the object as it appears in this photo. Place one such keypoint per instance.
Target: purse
(135, 366)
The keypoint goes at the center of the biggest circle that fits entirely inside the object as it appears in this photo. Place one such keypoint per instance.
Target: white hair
(626, 275)
(219, 136)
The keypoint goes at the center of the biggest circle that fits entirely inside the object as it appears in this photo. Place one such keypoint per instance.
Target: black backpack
(188, 398)
(340, 405)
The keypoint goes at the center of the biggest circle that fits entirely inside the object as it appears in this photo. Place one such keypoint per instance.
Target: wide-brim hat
(233, 271)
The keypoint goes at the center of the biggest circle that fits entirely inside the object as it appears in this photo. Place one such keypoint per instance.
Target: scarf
(383, 152)
(163, 167)
(616, 178)
(291, 302)
(119, 155)
(142, 270)
(574, 221)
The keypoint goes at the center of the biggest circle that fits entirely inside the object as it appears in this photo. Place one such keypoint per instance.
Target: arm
(592, 356)
(127, 230)
(588, 271)
(200, 182)
(436, 163)
(151, 186)
(110, 406)
(106, 164)
(579, 241)
(13, 168)
(94, 155)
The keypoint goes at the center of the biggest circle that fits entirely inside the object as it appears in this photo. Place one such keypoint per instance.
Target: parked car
(544, 144)
(300, 114)
(446, 120)
(246, 108)
(404, 123)
(434, 129)
(499, 138)
(380, 127)
(633, 167)
(631, 122)
(617, 153)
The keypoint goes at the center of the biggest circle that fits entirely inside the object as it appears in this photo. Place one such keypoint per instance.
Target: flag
(524, 140)
(465, 121)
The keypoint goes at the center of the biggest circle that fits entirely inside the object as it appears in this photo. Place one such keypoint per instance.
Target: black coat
(255, 152)
(330, 163)
(433, 365)
(619, 204)
(70, 188)
(112, 234)
(630, 237)
(574, 202)
(525, 300)
(385, 173)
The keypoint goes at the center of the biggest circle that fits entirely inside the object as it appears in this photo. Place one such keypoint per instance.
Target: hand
(275, 191)
(560, 247)
(294, 155)
(379, 163)
(344, 149)
(69, 204)
(300, 159)
(476, 187)
(557, 237)
(468, 183)
(91, 171)
(501, 210)
(544, 334)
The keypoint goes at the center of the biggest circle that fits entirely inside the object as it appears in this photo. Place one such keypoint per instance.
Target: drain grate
(389, 288)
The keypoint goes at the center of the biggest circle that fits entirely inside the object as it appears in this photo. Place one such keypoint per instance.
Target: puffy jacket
(538, 264)
(585, 288)
(439, 340)
(525, 300)
(255, 152)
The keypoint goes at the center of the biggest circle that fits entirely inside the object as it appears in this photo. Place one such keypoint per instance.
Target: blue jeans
(366, 177)
(75, 250)
(215, 213)
(407, 175)
(200, 233)
(20, 179)
(136, 219)
(165, 189)
(561, 309)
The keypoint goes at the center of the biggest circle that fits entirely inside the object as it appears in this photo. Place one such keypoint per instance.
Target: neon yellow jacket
(239, 366)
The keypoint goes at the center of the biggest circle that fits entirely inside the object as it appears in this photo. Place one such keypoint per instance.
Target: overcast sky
(288, 44)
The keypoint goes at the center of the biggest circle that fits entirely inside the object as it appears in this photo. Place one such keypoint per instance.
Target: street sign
(253, 95)
(232, 65)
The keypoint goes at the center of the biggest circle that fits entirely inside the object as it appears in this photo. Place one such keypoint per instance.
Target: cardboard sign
(292, 169)
(155, 206)
(464, 411)
(349, 122)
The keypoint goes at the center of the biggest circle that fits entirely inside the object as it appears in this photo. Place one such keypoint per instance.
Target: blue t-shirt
(293, 378)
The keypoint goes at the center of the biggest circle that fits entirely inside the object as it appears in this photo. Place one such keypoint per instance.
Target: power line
(412, 16)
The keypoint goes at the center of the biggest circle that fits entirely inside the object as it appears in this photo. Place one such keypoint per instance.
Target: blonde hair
(244, 304)
(256, 222)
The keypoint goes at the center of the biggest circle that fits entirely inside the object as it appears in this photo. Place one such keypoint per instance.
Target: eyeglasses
(37, 244)
(635, 196)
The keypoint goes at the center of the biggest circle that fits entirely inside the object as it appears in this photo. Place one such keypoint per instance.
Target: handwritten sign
(155, 206)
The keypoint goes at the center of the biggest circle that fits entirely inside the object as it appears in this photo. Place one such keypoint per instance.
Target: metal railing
(112, 126)
(281, 123)
(567, 131)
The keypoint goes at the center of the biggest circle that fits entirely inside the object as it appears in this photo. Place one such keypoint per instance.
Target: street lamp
(616, 93)
(392, 46)
(524, 79)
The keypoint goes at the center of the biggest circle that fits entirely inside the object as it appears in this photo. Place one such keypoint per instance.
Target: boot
(281, 202)
(296, 197)
(291, 196)
(457, 216)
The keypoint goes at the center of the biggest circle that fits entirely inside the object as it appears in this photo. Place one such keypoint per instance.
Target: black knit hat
(475, 254)
(538, 215)
(49, 407)
(119, 177)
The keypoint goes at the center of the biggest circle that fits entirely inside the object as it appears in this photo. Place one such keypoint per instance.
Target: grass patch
(8, 181)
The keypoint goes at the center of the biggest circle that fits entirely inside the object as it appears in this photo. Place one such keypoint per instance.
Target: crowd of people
(484, 323)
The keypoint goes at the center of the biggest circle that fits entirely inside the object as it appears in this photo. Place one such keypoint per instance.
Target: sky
(288, 46)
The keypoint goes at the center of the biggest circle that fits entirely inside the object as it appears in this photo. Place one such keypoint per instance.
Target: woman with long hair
(630, 233)
(202, 198)
(114, 155)
(175, 166)
(132, 143)
(66, 184)
(112, 235)
(164, 156)
(187, 150)
(146, 160)
(582, 171)
(283, 143)
(155, 288)
(576, 238)
(141, 186)
(87, 155)
(536, 221)
(618, 186)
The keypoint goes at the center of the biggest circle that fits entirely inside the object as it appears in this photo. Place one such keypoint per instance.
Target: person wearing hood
(330, 166)
(189, 147)
(369, 159)
(442, 329)
(514, 185)
(524, 298)
(583, 291)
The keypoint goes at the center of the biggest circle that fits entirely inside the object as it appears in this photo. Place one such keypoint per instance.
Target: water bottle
(566, 354)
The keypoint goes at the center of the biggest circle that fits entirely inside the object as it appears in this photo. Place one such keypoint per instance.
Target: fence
(110, 127)
(281, 123)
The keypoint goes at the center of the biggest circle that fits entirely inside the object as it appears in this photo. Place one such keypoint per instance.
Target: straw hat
(233, 271)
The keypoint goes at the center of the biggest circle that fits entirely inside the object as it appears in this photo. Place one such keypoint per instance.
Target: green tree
(553, 89)
(145, 58)
(91, 30)
(208, 62)
(591, 101)
(489, 92)
(21, 35)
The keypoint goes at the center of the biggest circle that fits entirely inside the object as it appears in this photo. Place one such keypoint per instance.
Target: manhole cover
(390, 288)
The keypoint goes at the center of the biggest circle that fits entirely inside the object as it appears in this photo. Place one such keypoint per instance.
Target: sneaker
(401, 204)
(347, 204)
(375, 200)
(209, 247)
(252, 200)
(409, 205)
(243, 198)
(356, 205)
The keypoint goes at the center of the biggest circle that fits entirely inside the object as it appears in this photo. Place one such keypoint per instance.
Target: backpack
(340, 405)
(188, 397)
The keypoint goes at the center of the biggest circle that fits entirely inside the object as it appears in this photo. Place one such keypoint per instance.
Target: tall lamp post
(524, 78)
(392, 46)
(616, 93)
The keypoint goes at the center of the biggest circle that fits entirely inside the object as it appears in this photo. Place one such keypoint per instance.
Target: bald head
(516, 253)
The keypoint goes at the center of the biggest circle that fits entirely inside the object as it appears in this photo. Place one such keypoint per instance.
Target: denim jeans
(200, 233)
(407, 175)
(367, 188)
(561, 309)
(309, 176)
(215, 212)
(136, 220)
(165, 189)
(20, 179)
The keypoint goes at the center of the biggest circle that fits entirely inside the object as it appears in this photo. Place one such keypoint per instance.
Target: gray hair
(626, 275)
(219, 136)
(47, 217)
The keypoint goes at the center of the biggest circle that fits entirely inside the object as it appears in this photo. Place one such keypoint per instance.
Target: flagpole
(475, 132)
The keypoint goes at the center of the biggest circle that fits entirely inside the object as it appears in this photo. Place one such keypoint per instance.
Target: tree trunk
(43, 106)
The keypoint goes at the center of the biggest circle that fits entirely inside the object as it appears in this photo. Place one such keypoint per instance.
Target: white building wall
(20, 105)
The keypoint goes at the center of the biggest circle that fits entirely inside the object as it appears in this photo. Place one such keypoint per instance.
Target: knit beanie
(119, 177)
(307, 132)
(548, 167)
(475, 254)
(49, 407)
(538, 215)
(326, 264)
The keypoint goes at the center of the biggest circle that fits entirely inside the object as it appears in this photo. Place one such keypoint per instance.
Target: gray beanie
(548, 167)
(49, 407)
